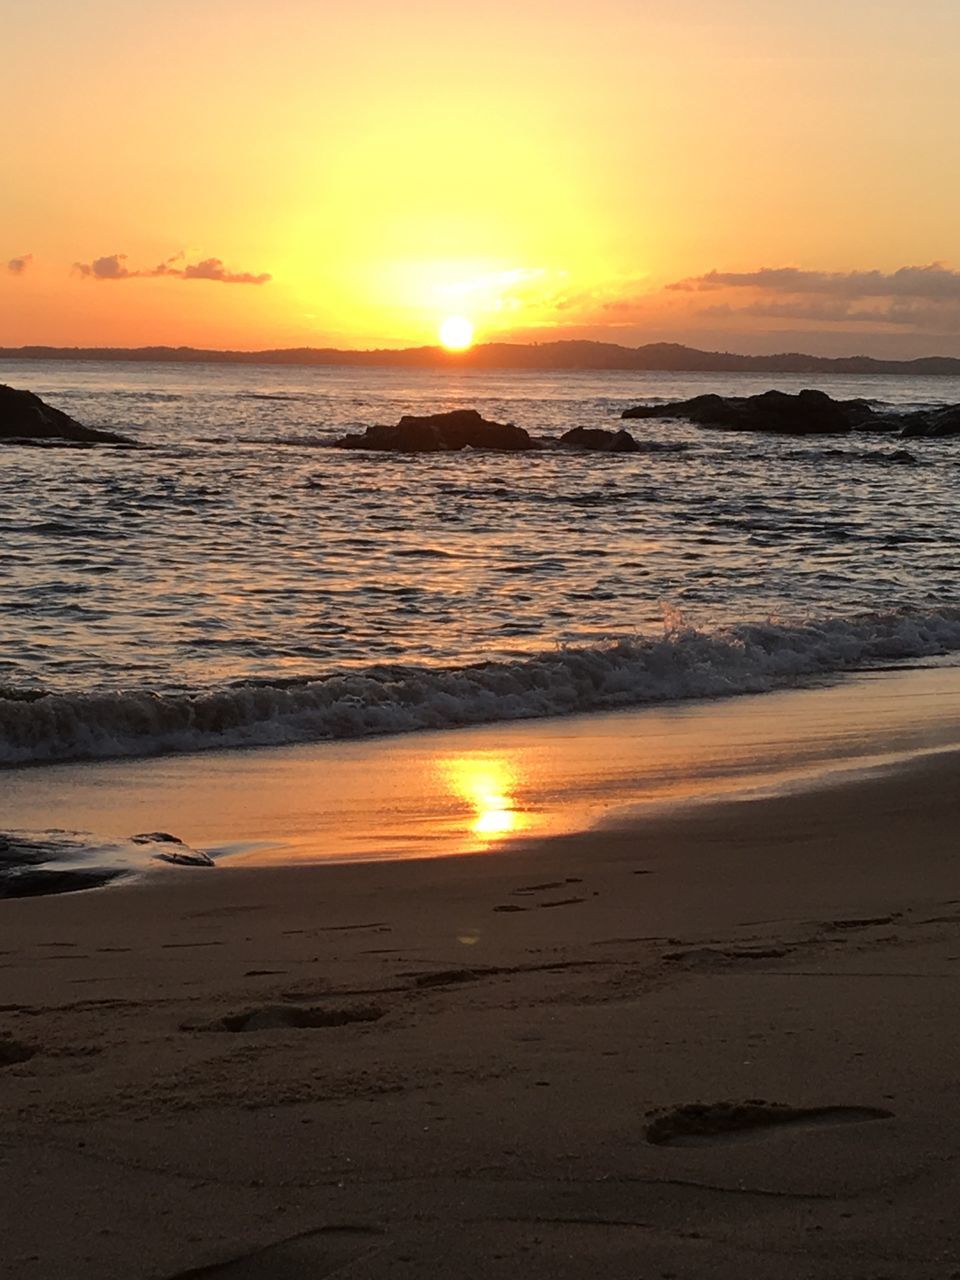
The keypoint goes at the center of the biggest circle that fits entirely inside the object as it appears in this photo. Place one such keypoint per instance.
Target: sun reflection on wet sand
(487, 787)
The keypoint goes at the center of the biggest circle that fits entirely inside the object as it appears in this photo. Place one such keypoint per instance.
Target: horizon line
(620, 357)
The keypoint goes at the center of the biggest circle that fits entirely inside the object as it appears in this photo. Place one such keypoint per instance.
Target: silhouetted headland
(665, 357)
(26, 419)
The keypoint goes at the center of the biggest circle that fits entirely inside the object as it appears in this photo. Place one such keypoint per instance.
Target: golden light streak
(487, 787)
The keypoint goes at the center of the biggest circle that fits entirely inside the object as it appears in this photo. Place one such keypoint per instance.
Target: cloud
(923, 298)
(213, 269)
(934, 282)
(17, 266)
(113, 267)
(618, 301)
(108, 268)
(825, 311)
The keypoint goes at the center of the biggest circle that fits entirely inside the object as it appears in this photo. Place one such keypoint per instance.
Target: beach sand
(483, 1066)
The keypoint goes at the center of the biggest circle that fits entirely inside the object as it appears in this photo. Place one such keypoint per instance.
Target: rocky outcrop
(164, 847)
(598, 440)
(24, 418)
(807, 413)
(34, 863)
(466, 429)
(440, 433)
(934, 424)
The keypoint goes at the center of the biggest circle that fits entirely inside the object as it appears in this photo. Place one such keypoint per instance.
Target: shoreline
(480, 790)
(438, 1066)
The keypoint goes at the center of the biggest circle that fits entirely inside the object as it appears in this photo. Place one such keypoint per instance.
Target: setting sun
(456, 333)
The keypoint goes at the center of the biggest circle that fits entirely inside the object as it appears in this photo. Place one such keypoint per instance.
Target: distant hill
(660, 356)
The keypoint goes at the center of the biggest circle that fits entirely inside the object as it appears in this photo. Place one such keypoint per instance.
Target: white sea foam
(684, 663)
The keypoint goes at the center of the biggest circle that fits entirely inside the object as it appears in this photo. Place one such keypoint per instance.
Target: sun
(456, 333)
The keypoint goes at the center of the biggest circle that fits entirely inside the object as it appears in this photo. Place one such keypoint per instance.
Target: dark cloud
(17, 266)
(213, 269)
(825, 311)
(934, 282)
(108, 268)
(922, 298)
(113, 267)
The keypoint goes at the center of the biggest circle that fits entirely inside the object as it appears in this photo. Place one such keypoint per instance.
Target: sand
(711, 1041)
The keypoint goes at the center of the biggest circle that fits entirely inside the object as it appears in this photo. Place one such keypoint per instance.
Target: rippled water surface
(236, 547)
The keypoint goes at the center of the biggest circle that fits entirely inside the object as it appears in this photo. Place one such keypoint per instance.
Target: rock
(881, 423)
(171, 849)
(808, 413)
(933, 424)
(694, 409)
(599, 440)
(441, 432)
(44, 862)
(25, 417)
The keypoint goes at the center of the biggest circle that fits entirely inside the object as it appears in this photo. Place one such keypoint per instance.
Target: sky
(748, 175)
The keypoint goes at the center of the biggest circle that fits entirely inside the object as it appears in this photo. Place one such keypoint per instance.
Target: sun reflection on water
(487, 786)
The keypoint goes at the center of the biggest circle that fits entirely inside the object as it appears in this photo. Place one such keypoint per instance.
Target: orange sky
(251, 174)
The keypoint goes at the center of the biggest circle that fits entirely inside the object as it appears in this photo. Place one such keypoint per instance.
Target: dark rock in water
(441, 432)
(172, 850)
(36, 863)
(933, 424)
(879, 423)
(599, 440)
(808, 413)
(859, 412)
(695, 408)
(33, 863)
(25, 417)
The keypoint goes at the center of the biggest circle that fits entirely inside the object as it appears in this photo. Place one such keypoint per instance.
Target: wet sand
(569, 1059)
(470, 790)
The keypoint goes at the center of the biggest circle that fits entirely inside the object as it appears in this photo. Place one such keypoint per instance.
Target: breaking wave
(683, 663)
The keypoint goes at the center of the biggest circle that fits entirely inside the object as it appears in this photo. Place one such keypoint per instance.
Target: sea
(238, 583)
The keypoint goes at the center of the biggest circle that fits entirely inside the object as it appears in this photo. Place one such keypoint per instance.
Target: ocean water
(238, 583)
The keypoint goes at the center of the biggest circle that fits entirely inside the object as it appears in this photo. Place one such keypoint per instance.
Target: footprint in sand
(549, 884)
(14, 1051)
(167, 946)
(714, 957)
(278, 1017)
(321, 1252)
(701, 1124)
(381, 926)
(527, 890)
(448, 977)
(862, 922)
